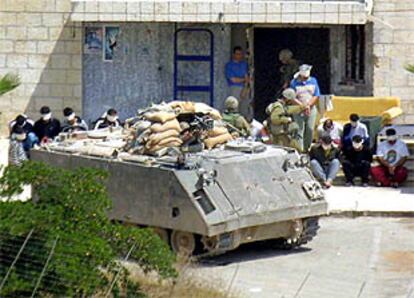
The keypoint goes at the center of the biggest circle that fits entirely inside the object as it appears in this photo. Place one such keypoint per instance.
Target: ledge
(227, 11)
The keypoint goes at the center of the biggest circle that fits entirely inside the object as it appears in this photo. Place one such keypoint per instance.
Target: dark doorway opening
(310, 46)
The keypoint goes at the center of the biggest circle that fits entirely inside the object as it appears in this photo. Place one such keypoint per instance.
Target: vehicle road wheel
(183, 243)
(162, 233)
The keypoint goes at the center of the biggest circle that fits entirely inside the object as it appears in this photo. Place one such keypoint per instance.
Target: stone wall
(393, 49)
(39, 42)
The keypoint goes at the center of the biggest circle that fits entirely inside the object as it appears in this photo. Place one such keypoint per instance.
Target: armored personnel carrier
(211, 201)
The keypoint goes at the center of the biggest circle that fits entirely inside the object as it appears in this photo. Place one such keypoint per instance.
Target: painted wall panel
(142, 69)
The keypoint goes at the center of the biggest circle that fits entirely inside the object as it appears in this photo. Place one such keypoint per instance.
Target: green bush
(72, 207)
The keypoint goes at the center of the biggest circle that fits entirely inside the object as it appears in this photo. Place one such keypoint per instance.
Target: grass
(187, 285)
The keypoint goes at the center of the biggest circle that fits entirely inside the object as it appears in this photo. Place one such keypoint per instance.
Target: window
(355, 54)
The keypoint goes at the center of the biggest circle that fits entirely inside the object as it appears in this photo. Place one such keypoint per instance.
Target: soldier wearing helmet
(232, 116)
(283, 130)
(289, 67)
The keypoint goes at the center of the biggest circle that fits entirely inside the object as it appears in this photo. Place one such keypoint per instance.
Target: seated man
(356, 161)
(47, 127)
(17, 154)
(238, 124)
(257, 131)
(72, 122)
(324, 161)
(27, 124)
(108, 119)
(332, 129)
(355, 127)
(392, 155)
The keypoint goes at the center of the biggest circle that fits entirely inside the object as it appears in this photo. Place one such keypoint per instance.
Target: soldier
(283, 130)
(289, 67)
(232, 116)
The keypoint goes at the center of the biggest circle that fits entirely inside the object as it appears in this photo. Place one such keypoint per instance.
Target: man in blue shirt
(237, 75)
(307, 92)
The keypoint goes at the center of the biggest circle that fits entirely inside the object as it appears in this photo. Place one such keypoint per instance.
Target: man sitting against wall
(324, 161)
(356, 161)
(392, 155)
(353, 128)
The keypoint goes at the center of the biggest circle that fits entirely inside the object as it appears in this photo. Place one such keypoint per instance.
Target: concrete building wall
(41, 45)
(142, 71)
(393, 49)
(40, 42)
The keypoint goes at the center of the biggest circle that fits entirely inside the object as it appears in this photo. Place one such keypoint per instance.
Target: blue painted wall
(142, 69)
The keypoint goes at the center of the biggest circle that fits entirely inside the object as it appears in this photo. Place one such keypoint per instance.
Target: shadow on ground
(249, 252)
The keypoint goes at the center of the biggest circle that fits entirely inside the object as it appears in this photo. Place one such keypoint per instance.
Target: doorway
(309, 45)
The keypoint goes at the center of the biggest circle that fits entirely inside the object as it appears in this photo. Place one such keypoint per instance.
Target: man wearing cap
(108, 119)
(232, 116)
(47, 127)
(324, 161)
(307, 91)
(356, 161)
(289, 67)
(237, 75)
(284, 131)
(353, 128)
(72, 122)
(392, 155)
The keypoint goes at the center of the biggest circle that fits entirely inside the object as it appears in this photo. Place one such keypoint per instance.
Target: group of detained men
(26, 134)
(348, 146)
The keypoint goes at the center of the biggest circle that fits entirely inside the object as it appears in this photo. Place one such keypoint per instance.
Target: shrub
(70, 207)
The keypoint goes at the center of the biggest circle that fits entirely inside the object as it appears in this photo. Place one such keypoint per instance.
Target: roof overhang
(227, 11)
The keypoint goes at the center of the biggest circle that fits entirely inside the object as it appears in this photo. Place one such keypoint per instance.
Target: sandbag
(98, 151)
(183, 107)
(175, 143)
(161, 127)
(160, 116)
(203, 108)
(155, 138)
(217, 131)
(214, 141)
(169, 140)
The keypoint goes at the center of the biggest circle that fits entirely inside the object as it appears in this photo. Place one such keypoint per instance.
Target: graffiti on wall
(110, 42)
(93, 40)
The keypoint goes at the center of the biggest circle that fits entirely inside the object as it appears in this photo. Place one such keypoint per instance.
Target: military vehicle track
(310, 229)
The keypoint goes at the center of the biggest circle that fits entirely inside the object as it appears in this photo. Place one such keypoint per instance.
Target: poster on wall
(110, 42)
(93, 40)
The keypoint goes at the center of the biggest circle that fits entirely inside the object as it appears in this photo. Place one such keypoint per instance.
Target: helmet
(289, 94)
(231, 103)
(285, 55)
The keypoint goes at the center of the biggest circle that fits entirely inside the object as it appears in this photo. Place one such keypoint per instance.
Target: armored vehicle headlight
(313, 190)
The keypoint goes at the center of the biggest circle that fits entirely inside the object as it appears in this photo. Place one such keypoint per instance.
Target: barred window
(355, 54)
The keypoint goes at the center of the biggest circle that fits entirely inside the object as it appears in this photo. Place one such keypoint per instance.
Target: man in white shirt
(332, 129)
(392, 155)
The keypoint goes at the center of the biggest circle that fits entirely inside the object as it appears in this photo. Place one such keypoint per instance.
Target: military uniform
(234, 118)
(283, 131)
(238, 121)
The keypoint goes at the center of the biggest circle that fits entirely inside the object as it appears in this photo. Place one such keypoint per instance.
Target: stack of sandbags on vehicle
(164, 132)
(217, 136)
(156, 128)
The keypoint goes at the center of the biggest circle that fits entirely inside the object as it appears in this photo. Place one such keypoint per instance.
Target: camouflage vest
(290, 129)
(231, 118)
